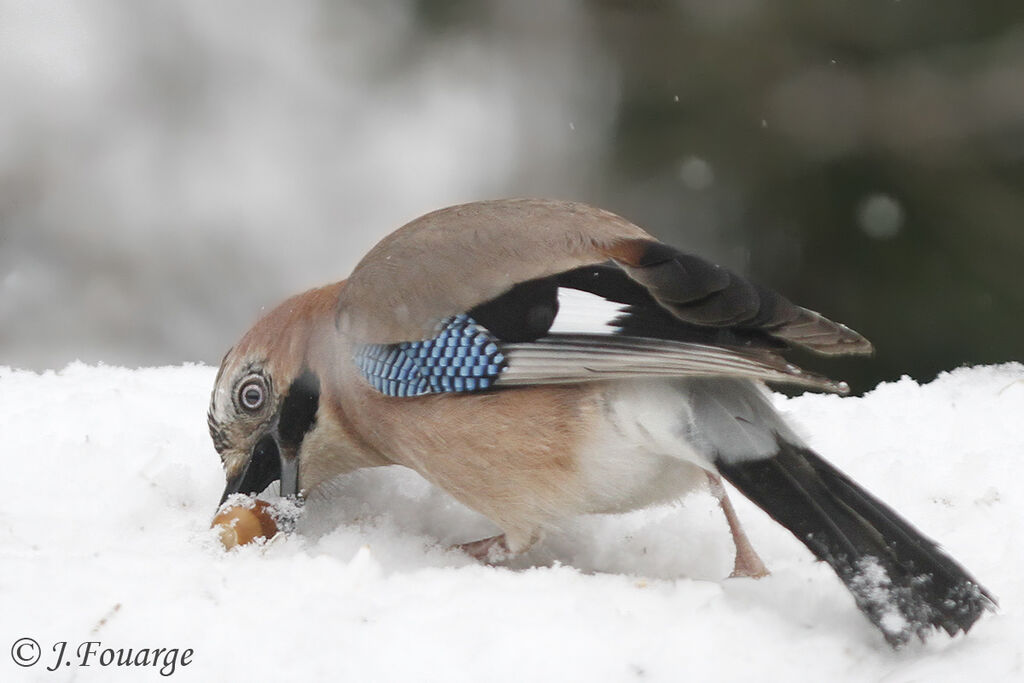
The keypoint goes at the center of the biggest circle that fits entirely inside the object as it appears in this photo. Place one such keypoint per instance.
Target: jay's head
(266, 398)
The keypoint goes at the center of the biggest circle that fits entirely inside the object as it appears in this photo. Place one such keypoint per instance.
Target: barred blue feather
(462, 357)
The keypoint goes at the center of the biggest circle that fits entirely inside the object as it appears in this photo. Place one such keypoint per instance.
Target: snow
(111, 482)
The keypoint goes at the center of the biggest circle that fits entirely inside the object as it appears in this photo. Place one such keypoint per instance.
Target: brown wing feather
(448, 261)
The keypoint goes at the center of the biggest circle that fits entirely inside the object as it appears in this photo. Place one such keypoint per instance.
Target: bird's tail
(899, 578)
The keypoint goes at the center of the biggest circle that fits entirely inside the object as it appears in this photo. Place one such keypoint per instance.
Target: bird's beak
(269, 461)
(276, 454)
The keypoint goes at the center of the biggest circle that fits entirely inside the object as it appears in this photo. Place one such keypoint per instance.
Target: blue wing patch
(462, 357)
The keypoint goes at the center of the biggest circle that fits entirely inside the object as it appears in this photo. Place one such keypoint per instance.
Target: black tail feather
(898, 577)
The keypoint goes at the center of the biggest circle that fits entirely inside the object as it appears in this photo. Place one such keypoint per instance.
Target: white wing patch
(582, 312)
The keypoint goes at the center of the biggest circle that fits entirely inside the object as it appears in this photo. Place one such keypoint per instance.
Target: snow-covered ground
(110, 482)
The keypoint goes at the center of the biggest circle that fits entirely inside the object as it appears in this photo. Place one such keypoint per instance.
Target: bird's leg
(747, 562)
(489, 550)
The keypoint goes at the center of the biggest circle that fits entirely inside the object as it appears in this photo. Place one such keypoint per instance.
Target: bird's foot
(748, 565)
(493, 550)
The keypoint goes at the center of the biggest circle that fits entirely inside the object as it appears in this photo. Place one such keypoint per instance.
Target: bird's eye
(253, 393)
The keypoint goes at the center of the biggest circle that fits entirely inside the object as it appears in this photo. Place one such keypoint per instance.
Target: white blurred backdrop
(167, 169)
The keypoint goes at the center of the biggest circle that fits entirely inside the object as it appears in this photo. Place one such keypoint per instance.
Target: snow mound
(111, 482)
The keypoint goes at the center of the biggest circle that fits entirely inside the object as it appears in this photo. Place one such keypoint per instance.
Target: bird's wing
(533, 291)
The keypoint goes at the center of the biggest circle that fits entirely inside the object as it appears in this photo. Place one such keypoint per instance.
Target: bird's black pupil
(252, 396)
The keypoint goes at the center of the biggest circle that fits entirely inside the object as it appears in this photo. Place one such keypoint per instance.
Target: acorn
(241, 524)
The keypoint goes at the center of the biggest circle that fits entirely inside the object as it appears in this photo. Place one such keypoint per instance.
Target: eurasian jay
(541, 359)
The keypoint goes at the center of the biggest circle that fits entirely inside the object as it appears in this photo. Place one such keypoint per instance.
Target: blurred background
(169, 169)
